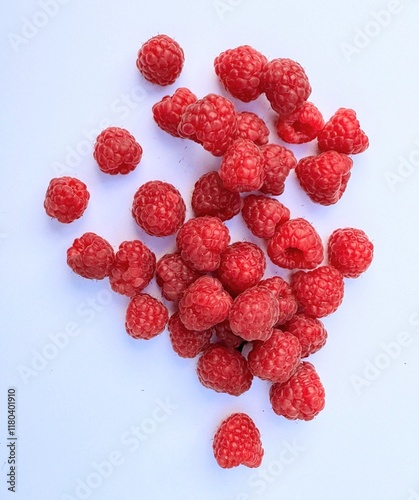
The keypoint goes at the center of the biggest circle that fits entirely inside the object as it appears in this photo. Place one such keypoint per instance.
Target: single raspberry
(319, 292)
(146, 317)
(168, 112)
(350, 251)
(310, 332)
(301, 126)
(225, 336)
(204, 304)
(250, 126)
(116, 151)
(324, 177)
(276, 359)
(301, 397)
(224, 369)
(66, 199)
(240, 71)
(342, 133)
(285, 85)
(241, 168)
(277, 163)
(287, 302)
(296, 245)
(263, 215)
(187, 343)
(90, 256)
(160, 60)
(158, 208)
(132, 269)
(237, 442)
(254, 313)
(210, 197)
(201, 241)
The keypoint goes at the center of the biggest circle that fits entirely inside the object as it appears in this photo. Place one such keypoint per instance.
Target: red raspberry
(90, 256)
(66, 199)
(168, 112)
(285, 84)
(224, 369)
(284, 295)
(296, 245)
(250, 126)
(301, 126)
(116, 151)
(187, 343)
(277, 163)
(277, 358)
(158, 208)
(160, 60)
(319, 292)
(133, 268)
(225, 336)
(204, 304)
(146, 317)
(310, 332)
(263, 215)
(240, 71)
(324, 177)
(350, 251)
(241, 168)
(201, 241)
(210, 197)
(301, 397)
(343, 134)
(254, 313)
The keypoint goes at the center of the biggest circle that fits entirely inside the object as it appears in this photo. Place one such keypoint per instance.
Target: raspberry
(132, 269)
(310, 332)
(201, 241)
(301, 126)
(301, 397)
(187, 343)
(225, 336)
(319, 292)
(284, 295)
(277, 163)
(210, 197)
(342, 133)
(146, 317)
(277, 358)
(253, 314)
(237, 442)
(66, 199)
(224, 369)
(90, 256)
(263, 215)
(250, 126)
(158, 208)
(324, 177)
(241, 168)
(204, 304)
(285, 84)
(296, 245)
(167, 112)
(116, 151)
(160, 60)
(240, 71)
(350, 251)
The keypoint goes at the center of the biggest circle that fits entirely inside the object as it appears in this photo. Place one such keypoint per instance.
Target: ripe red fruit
(277, 163)
(145, 317)
(263, 215)
(251, 126)
(187, 343)
(168, 112)
(66, 199)
(287, 302)
(90, 256)
(301, 126)
(310, 332)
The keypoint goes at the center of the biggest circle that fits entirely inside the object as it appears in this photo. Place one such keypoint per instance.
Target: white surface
(69, 80)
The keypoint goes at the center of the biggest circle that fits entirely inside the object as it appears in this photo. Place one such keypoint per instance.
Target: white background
(71, 72)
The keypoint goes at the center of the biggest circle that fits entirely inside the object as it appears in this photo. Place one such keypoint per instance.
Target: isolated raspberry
(263, 215)
(310, 332)
(287, 302)
(90, 256)
(132, 269)
(342, 133)
(301, 397)
(158, 208)
(160, 60)
(224, 335)
(187, 343)
(116, 151)
(319, 292)
(296, 245)
(277, 163)
(324, 177)
(251, 126)
(66, 199)
(350, 251)
(301, 126)
(167, 112)
(145, 317)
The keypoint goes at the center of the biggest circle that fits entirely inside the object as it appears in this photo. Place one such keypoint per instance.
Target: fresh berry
(301, 126)
(66, 199)
(167, 112)
(310, 332)
(90, 256)
(116, 151)
(263, 215)
(187, 343)
(277, 163)
(146, 317)
(225, 336)
(158, 208)
(287, 303)
(251, 126)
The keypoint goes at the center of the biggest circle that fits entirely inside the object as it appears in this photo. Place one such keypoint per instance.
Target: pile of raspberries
(238, 324)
